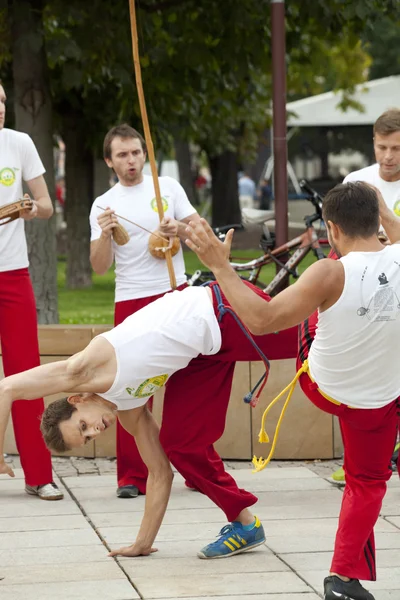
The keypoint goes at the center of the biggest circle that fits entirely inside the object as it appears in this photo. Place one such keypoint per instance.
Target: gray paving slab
(34, 539)
(300, 596)
(321, 543)
(46, 546)
(178, 518)
(394, 521)
(43, 523)
(75, 590)
(309, 561)
(62, 555)
(34, 507)
(91, 481)
(255, 562)
(237, 583)
(82, 571)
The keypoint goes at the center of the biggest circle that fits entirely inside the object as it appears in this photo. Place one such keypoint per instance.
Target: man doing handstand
(184, 333)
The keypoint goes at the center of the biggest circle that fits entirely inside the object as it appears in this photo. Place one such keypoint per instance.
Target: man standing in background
(140, 278)
(385, 173)
(20, 161)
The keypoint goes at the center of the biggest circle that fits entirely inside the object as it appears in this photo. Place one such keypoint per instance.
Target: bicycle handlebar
(226, 228)
(315, 198)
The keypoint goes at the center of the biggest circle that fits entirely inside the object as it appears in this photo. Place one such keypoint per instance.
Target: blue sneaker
(234, 539)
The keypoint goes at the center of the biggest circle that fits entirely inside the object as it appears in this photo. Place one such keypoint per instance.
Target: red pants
(369, 436)
(19, 343)
(131, 470)
(195, 405)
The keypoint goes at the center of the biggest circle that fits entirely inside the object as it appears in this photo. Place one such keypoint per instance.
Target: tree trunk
(184, 160)
(224, 188)
(79, 175)
(33, 115)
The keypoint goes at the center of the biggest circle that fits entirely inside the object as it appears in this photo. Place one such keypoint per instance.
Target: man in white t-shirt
(385, 173)
(19, 161)
(351, 369)
(140, 278)
(183, 340)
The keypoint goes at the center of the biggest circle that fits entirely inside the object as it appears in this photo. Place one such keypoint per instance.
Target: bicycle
(300, 246)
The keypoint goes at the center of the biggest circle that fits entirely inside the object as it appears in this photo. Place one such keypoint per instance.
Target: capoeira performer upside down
(189, 341)
(358, 303)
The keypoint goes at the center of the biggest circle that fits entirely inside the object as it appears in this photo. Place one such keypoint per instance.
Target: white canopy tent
(321, 111)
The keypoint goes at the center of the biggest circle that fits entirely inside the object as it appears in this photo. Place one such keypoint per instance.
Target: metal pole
(279, 119)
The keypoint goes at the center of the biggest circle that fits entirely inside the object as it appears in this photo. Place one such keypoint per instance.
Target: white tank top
(353, 357)
(158, 340)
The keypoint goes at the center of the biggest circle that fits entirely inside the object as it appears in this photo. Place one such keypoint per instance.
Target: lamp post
(279, 119)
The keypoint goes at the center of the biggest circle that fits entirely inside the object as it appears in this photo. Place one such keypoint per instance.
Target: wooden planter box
(306, 433)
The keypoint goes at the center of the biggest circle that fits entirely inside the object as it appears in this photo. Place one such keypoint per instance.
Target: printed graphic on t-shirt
(396, 207)
(384, 304)
(164, 201)
(7, 176)
(148, 387)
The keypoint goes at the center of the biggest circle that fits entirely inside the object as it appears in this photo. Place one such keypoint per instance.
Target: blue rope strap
(250, 398)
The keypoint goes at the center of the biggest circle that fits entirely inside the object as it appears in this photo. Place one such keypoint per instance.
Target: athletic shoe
(48, 491)
(395, 457)
(337, 589)
(234, 539)
(338, 477)
(128, 491)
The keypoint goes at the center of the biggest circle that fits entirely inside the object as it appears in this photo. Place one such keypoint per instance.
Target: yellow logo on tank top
(7, 176)
(164, 201)
(148, 387)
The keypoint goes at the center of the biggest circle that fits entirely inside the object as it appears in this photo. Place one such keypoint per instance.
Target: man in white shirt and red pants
(19, 161)
(140, 278)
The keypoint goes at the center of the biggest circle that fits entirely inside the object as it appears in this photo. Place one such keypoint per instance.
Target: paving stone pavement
(59, 549)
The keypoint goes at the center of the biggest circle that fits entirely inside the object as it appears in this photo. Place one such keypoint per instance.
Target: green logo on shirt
(153, 204)
(396, 208)
(7, 176)
(148, 387)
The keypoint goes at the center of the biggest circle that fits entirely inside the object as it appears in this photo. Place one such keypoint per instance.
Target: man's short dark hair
(54, 414)
(354, 207)
(388, 122)
(123, 131)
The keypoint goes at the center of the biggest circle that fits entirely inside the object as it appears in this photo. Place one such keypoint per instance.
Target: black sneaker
(337, 589)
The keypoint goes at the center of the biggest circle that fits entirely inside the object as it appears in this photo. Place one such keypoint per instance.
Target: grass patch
(96, 305)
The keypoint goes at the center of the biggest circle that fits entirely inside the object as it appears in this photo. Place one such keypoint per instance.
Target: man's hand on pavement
(213, 253)
(134, 550)
(5, 469)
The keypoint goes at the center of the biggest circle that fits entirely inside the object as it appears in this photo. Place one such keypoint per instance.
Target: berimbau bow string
(147, 134)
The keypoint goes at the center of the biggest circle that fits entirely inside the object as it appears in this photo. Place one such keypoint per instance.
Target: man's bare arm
(319, 287)
(390, 221)
(140, 423)
(101, 250)
(43, 207)
(88, 371)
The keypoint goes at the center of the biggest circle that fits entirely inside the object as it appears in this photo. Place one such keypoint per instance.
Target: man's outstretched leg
(368, 437)
(195, 406)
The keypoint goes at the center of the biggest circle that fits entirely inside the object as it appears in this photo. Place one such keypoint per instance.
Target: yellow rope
(261, 463)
